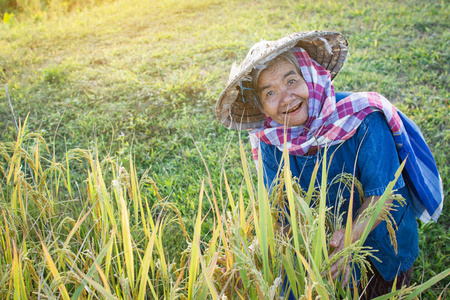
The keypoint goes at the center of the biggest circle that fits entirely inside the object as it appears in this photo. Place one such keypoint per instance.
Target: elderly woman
(285, 87)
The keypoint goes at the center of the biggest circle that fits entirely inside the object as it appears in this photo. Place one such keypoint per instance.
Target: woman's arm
(358, 227)
(377, 162)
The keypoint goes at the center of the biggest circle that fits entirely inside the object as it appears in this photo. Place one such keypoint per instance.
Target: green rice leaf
(428, 284)
(146, 262)
(380, 203)
(92, 269)
(195, 252)
(266, 237)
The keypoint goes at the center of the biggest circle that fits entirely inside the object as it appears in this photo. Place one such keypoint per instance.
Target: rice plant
(97, 238)
(85, 228)
(300, 256)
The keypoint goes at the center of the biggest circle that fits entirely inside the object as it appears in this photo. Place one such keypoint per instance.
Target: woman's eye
(291, 81)
(270, 93)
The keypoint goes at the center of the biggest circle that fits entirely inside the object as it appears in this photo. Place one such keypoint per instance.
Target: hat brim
(328, 48)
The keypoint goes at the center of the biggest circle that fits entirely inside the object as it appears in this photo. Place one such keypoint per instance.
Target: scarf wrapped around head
(329, 123)
(332, 123)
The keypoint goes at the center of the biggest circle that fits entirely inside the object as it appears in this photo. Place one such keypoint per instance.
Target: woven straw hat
(327, 48)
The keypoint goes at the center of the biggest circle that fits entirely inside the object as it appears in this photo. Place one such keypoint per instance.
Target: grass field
(140, 79)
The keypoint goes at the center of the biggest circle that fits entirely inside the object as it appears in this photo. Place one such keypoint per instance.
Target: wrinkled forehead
(277, 70)
(284, 61)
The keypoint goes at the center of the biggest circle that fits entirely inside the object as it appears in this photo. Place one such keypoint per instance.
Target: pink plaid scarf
(329, 123)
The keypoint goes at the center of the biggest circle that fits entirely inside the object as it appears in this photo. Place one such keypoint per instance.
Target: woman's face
(284, 94)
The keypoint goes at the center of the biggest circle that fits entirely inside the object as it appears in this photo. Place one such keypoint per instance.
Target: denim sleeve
(377, 159)
(270, 164)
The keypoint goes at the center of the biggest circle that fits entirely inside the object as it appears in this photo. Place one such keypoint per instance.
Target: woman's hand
(341, 266)
(338, 239)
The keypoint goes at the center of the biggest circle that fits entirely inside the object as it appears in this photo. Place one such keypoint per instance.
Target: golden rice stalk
(385, 215)
(126, 234)
(17, 275)
(348, 180)
(54, 270)
(69, 277)
(146, 262)
(4, 152)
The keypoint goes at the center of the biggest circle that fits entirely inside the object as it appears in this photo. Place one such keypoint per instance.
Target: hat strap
(242, 91)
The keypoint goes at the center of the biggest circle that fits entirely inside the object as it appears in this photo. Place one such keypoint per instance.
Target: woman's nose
(285, 97)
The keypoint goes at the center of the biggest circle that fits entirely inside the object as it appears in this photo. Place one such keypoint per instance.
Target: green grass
(143, 77)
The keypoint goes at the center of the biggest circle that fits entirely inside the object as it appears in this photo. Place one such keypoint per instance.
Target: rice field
(118, 183)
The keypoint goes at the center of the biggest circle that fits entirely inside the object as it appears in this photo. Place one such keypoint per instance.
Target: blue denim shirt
(371, 155)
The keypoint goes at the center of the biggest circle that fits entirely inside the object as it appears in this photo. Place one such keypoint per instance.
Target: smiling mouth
(293, 109)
